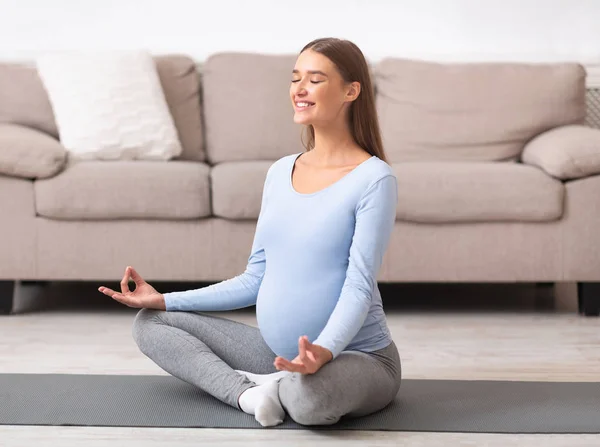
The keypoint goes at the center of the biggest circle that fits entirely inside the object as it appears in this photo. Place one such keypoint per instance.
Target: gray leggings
(204, 350)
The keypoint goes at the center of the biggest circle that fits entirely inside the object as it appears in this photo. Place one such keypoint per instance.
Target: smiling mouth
(303, 105)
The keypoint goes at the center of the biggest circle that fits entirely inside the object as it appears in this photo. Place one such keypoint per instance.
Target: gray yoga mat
(421, 405)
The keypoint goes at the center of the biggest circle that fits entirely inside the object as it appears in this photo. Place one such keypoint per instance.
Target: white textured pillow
(109, 105)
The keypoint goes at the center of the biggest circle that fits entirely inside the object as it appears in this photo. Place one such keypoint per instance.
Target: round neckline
(291, 171)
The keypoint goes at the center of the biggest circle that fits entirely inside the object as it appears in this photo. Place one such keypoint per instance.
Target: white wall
(530, 30)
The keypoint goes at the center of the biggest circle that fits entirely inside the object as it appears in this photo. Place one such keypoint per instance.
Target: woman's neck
(333, 146)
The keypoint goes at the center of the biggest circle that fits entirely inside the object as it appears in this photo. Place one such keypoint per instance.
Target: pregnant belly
(284, 316)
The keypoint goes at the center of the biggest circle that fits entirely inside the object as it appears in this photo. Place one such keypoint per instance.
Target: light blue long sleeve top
(314, 262)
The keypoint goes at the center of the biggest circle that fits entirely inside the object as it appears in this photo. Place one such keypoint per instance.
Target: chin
(302, 120)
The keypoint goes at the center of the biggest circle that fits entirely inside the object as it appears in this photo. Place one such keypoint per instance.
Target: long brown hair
(353, 67)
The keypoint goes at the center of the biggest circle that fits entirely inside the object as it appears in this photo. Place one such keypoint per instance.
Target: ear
(352, 91)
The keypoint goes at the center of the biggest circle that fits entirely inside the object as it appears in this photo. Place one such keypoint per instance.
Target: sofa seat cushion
(428, 192)
(439, 192)
(237, 188)
(126, 190)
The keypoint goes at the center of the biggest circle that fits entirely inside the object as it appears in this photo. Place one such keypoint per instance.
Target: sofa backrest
(247, 108)
(473, 111)
(23, 100)
(427, 110)
(182, 88)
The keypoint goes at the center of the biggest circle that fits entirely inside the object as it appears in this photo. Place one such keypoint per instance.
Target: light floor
(444, 332)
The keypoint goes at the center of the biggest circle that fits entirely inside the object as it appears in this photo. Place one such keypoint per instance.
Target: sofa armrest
(566, 152)
(29, 153)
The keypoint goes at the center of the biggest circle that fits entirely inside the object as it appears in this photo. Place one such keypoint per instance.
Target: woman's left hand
(309, 360)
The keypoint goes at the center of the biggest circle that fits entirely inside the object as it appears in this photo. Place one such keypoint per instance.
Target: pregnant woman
(322, 349)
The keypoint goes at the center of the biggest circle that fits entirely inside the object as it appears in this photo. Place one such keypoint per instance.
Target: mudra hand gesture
(309, 360)
(144, 295)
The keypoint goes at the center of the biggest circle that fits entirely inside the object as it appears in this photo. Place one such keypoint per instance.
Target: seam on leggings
(169, 327)
(243, 342)
(215, 328)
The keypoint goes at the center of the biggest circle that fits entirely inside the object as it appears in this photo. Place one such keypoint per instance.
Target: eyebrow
(310, 71)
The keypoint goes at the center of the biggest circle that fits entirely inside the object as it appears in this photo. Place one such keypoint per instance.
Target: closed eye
(312, 82)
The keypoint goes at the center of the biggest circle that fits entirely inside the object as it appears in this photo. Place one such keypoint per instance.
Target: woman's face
(319, 94)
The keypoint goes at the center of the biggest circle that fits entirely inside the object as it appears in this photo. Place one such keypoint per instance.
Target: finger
(310, 356)
(312, 351)
(136, 277)
(302, 350)
(107, 291)
(125, 282)
(293, 367)
(115, 295)
(286, 365)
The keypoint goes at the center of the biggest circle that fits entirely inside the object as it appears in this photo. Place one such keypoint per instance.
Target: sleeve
(235, 293)
(375, 217)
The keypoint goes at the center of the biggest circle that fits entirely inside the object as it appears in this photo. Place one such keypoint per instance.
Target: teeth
(302, 104)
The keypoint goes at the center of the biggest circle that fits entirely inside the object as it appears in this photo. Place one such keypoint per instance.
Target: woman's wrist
(160, 302)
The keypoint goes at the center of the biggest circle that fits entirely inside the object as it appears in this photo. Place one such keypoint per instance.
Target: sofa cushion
(473, 111)
(109, 105)
(180, 81)
(428, 192)
(567, 152)
(25, 101)
(29, 153)
(247, 108)
(237, 188)
(126, 190)
(439, 192)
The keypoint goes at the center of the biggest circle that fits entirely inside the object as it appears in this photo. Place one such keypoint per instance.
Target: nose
(299, 89)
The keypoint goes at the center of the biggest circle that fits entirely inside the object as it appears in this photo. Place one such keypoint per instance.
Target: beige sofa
(497, 177)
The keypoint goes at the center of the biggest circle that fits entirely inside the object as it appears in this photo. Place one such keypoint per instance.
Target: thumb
(136, 276)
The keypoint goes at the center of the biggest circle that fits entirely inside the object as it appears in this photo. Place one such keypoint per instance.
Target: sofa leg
(20, 296)
(544, 295)
(7, 297)
(588, 298)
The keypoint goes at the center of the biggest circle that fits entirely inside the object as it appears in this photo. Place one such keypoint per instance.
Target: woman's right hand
(144, 295)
